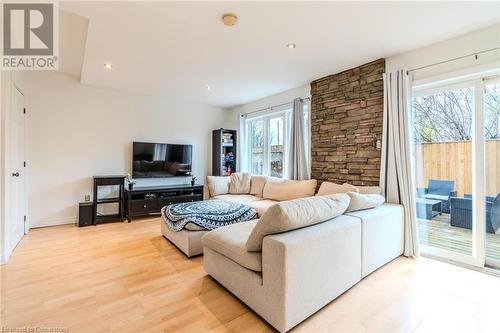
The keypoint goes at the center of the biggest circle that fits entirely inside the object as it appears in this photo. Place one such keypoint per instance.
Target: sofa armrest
(305, 269)
(453, 194)
(421, 191)
(206, 193)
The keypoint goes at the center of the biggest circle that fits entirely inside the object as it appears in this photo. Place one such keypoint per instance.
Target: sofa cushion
(282, 190)
(332, 188)
(436, 197)
(218, 185)
(369, 189)
(257, 184)
(295, 214)
(381, 234)
(241, 198)
(240, 183)
(364, 201)
(261, 206)
(230, 242)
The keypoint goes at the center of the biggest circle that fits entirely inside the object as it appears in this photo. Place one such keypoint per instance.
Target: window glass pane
(445, 116)
(443, 157)
(276, 146)
(257, 147)
(492, 171)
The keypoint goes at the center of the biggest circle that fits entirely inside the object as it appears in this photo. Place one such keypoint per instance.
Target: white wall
(479, 40)
(76, 131)
(281, 98)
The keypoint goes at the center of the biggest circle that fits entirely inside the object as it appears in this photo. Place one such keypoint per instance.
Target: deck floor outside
(439, 233)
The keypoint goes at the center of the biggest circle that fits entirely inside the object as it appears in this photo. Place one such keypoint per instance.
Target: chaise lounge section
(300, 270)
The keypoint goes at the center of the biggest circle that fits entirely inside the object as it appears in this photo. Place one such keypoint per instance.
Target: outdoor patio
(439, 233)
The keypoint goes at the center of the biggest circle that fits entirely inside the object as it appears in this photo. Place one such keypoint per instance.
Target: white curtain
(396, 177)
(242, 144)
(298, 162)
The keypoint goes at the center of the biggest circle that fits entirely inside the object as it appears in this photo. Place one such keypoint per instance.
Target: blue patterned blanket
(210, 214)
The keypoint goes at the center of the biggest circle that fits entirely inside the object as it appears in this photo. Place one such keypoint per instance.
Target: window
(276, 146)
(268, 144)
(265, 145)
(257, 146)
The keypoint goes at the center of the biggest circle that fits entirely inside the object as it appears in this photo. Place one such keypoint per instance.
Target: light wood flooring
(125, 277)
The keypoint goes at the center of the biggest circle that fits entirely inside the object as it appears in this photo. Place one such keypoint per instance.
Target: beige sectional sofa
(306, 264)
(258, 192)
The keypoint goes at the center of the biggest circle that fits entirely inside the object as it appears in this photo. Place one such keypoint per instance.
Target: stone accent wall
(346, 122)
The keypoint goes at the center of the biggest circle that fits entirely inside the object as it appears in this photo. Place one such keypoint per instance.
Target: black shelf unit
(113, 180)
(85, 214)
(224, 148)
(141, 201)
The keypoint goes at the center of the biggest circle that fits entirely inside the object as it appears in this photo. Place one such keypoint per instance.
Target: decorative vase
(192, 182)
(130, 186)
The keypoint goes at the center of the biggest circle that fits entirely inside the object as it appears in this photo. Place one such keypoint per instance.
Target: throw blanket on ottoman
(210, 214)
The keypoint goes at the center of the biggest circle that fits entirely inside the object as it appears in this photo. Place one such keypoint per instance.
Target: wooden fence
(453, 161)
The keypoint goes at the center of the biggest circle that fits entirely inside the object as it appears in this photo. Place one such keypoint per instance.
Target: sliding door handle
(15, 174)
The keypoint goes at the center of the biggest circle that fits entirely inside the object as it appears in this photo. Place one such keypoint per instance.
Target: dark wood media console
(143, 201)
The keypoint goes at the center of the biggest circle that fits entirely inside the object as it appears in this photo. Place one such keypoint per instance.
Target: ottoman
(185, 223)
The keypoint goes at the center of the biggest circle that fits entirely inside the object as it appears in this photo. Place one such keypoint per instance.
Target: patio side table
(428, 209)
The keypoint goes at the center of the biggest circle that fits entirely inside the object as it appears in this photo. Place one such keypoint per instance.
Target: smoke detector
(229, 19)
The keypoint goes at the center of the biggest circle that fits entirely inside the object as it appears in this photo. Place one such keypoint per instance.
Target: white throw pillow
(282, 190)
(257, 184)
(369, 189)
(332, 188)
(240, 183)
(364, 201)
(218, 185)
(295, 214)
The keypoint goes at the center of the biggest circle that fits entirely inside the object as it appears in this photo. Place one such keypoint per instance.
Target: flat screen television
(155, 160)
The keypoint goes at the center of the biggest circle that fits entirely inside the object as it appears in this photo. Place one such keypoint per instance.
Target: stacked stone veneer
(346, 122)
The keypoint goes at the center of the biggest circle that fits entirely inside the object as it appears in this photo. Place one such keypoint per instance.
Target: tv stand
(142, 201)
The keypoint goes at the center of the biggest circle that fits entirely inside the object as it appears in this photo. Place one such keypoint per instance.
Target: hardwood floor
(127, 278)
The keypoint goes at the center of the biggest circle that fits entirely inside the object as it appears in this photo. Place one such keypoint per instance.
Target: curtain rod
(272, 107)
(475, 54)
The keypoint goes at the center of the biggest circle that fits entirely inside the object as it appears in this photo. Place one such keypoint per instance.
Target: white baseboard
(49, 222)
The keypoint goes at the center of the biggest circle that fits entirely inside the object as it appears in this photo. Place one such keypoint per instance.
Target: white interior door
(17, 169)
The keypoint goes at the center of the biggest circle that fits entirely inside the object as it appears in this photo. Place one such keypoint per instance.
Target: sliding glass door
(457, 163)
(491, 102)
(443, 164)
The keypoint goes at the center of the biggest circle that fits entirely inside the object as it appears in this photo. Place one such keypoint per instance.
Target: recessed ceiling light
(209, 87)
(291, 46)
(108, 65)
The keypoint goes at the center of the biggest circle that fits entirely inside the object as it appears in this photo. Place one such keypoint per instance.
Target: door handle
(15, 174)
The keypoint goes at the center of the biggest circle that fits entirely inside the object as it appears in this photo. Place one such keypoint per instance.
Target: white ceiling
(174, 49)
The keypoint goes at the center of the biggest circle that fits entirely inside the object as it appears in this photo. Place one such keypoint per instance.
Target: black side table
(115, 180)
